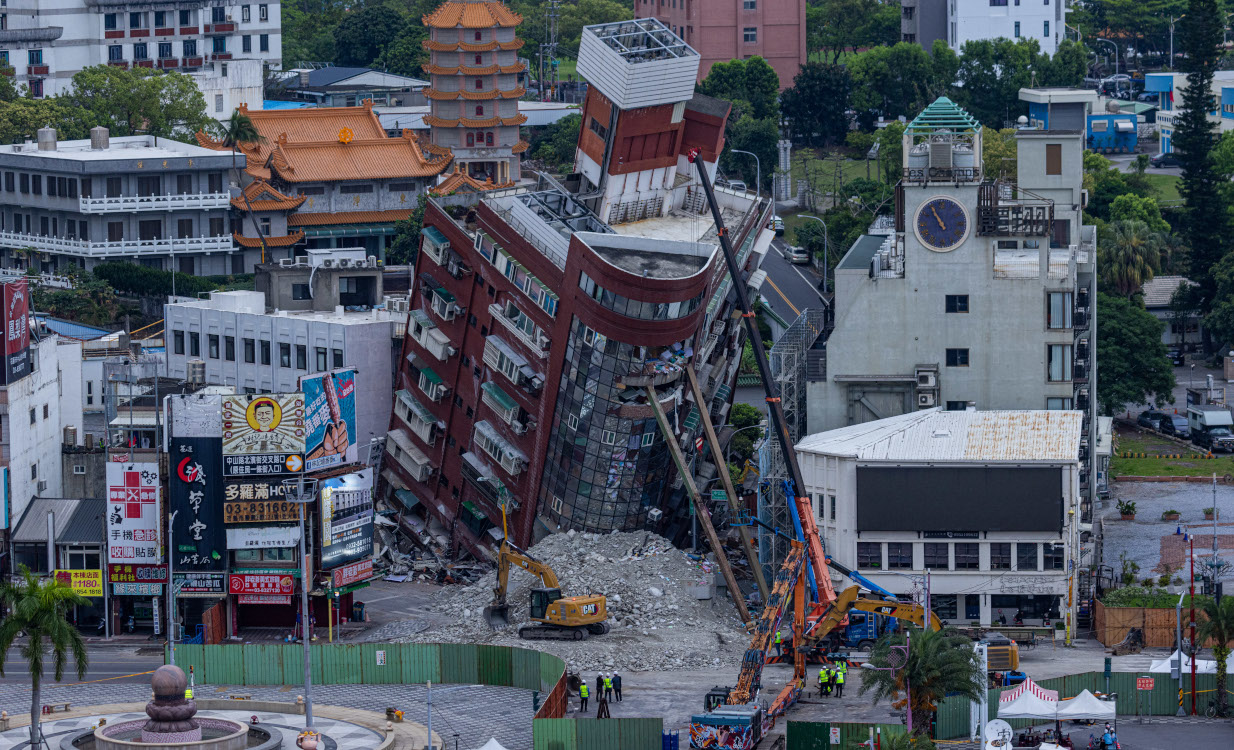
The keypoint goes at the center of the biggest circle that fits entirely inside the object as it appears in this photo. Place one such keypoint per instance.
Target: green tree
(1066, 68)
(992, 72)
(940, 663)
(236, 130)
(1219, 320)
(362, 36)
(1130, 257)
(406, 245)
(39, 609)
(890, 141)
(555, 144)
(140, 100)
(1204, 218)
(21, 119)
(814, 83)
(756, 136)
(405, 55)
(8, 86)
(1132, 207)
(308, 30)
(1134, 366)
(899, 81)
(744, 415)
(751, 85)
(1219, 629)
(999, 152)
(91, 300)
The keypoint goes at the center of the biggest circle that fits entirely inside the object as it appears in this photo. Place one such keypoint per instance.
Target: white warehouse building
(988, 502)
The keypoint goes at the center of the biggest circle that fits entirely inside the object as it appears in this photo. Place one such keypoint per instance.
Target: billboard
(195, 485)
(263, 584)
(83, 582)
(137, 573)
(351, 573)
(262, 537)
(329, 419)
(16, 314)
(263, 434)
(201, 583)
(133, 513)
(258, 499)
(346, 518)
(959, 499)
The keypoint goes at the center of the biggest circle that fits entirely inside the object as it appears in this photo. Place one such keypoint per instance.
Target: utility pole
(303, 491)
(171, 590)
(1194, 649)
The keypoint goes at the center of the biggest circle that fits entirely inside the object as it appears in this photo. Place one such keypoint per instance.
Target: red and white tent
(1028, 701)
(1028, 686)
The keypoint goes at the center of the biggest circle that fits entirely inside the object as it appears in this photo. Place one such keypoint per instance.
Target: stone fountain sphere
(169, 681)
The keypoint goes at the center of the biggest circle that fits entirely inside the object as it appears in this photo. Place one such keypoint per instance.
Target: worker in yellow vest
(824, 681)
(779, 644)
(608, 687)
(583, 692)
(839, 681)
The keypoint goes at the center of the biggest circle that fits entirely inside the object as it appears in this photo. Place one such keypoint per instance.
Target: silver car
(796, 254)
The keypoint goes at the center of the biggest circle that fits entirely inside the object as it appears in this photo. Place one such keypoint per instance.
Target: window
(1017, 28)
(749, 34)
(212, 342)
(216, 226)
(320, 353)
(218, 14)
(1058, 310)
(194, 344)
(349, 189)
(263, 13)
(25, 182)
(944, 605)
(998, 3)
(115, 52)
(110, 22)
(160, 18)
(338, 357)
(263, 43)
(165, 50)
(749, 4)
(34, 471)
(244, 13)
(149, 185)
(246, 43)
(115, 231)
(250, 351)
(34, 57)
(219, 44)
(1025, 556)
(869, 555)
(479, 110)
(900, 555)
(1054, 158)
(1058, 365)
(137, 20)
(967, 556)
(284, 355)
(957, 405)
(1046, 30)
(832, 499)
(957, 358)
(957, 303)
(45, 411)
(8, 182)
(936, 555)
(33, 416)
(177, 342)
(1055, 556)
(300, 291)
(301, 357)
(229, 348)
(1055, 403)
(186, 17)
(1000, 556)
(190, 48)
(216, 182)
(265, 352)
(184, 228)
(477, 36)
(597, 128)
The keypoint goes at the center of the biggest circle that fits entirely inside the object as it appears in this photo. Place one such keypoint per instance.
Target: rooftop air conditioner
(925, 400)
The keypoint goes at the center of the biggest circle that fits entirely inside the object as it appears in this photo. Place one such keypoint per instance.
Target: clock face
(941, 224)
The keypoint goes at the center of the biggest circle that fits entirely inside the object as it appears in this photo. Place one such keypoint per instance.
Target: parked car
(1148, 97)
(738, 185)
(1176, 425)
(1151, 419)
(1165, 160)
(796, 254)
(778, 225)
(1176, 357)
(1214, 438)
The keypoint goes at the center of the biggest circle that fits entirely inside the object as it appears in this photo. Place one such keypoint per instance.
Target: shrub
(1147, 596)
(1126, 508)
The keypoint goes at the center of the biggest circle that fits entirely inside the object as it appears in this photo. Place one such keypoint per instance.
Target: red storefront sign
(125, 573)
(1144, 683)
(262, 599)
(269, 584)
(357, 571)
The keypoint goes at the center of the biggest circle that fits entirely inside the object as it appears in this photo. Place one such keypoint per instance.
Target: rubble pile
(652, 589)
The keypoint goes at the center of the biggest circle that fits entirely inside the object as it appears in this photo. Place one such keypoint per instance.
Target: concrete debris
(657, 624)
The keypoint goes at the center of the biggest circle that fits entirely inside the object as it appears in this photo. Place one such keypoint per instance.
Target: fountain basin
(217, 734)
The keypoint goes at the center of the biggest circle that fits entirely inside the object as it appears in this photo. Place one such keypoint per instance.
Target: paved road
(108, 664)
(1124, 163)
(789, 288)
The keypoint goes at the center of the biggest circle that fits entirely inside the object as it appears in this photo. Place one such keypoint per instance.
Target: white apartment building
(34, 413)
(988, 502)
(312, 318)
(47, 41)
(960, 21)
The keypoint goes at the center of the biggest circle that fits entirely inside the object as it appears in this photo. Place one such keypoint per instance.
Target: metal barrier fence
(598, 734)
(817, 735)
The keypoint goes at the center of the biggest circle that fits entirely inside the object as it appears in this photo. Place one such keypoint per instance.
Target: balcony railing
(103, 205)
(539, 348)
(120, 248)
(169, 62)
(38, 70)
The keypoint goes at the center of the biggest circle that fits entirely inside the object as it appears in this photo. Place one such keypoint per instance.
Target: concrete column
(985, 610)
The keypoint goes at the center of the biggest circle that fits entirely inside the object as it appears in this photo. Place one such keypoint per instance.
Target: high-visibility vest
(778, 639)
(582, 690)
(822, 676)
(608, 683)
(188, 694)
(839, 678)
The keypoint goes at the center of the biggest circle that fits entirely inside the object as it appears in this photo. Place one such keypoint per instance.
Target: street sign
(698, 443)
(718, 496)
(1144, 683)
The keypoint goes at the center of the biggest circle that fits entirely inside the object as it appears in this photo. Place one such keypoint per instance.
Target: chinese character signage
(262, 537)
(346, 519)
(268, 584)
(136, 573)
(196, 481)
(16, 300)
(133, 513)
(275, 463)
(84, 582)
(352, 573)
(263, 425)
(258, 500)
(330, 419)
(201, 583)
(144, 588)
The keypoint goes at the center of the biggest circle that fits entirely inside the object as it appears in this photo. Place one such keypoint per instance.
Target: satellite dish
(998, 734)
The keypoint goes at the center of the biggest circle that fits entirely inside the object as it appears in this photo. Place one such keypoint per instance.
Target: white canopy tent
(1028, 705)
(1202, 666)
(1086, 706)
(492, 744)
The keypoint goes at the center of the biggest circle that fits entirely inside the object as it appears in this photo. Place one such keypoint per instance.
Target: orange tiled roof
(472, 15)
(286, 240)
(520, 147)
(370, 159)
(263, 197)
(348, 217)
(434, 121)
(486, 70)
(436, 46)
(459, 180)
(474, 95)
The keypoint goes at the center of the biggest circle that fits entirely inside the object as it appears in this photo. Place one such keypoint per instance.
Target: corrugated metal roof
(1160, 290)
(72, 330)
(936, 435)
(77, 521)
(88, 525)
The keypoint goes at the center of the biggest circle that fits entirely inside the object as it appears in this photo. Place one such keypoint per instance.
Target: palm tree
(1219, 628)
(899, 742)
(39, 608)
(238, 129)
(940, 663)
(1130, 257)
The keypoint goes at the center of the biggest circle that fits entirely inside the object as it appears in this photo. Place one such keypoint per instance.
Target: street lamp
(758, 170)
(171, 587)
(429, 724)
(302, 492)
(897, 659)
(1173, 20)
(826, 247)
(1191, 377)
(1115, 46)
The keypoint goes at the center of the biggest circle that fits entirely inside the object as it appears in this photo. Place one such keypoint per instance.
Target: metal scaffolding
(788, 369)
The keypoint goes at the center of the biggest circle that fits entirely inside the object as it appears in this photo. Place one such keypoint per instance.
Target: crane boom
(809, 528)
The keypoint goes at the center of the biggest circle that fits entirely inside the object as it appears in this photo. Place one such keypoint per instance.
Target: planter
(1209, 516)
(1128, 516)
(1170, 516)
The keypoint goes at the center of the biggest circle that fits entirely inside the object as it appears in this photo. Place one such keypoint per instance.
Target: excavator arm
(498, 612)
(831, 618)
(786, 583)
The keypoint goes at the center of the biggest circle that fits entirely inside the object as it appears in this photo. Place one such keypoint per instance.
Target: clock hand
(937, 218)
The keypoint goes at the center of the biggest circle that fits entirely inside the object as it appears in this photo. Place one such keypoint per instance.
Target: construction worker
(839, 680)
(599, 685)
(583, 693)
(779, 644)
(188, 693)
(608, 687)
(824, 682)
(617, 686)
(831, 679)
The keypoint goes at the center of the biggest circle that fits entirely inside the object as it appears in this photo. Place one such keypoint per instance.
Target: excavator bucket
(498, 615)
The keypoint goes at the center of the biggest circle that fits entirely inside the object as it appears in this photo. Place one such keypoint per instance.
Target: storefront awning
(434, 235)
(723, 392)
(431, 376)
(138, 420)
(407, 498)
(692, 419)
(423, 318)
(415, 407)
(502, 398)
